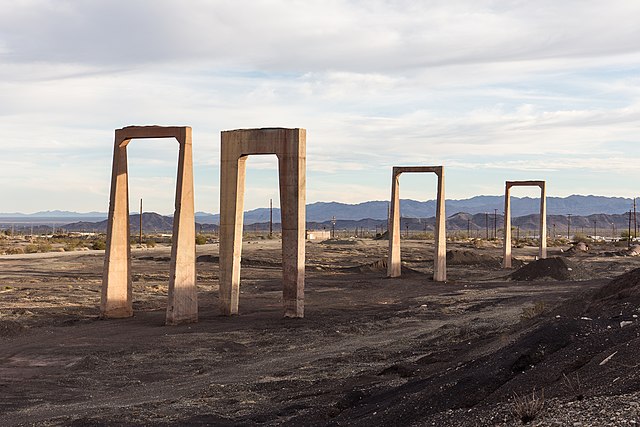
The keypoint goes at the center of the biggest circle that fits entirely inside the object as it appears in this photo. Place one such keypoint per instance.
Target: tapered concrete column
(543, 221)
(182, 306)
(116, 281)
(506, 259)
(394, 263)
(116, 275)
(289, 145)
(232, 182)
(440, 257)
(542, 247)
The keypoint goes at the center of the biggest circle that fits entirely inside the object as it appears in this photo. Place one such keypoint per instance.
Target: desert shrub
(99, 245)
(573, 386)
(31, 248)
(580, 237)
(150, 243)
(200, 239)
(533, 311)
(14, 251)
(527, 408)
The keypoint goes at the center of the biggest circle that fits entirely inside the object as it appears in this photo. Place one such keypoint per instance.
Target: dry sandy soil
(370, 351)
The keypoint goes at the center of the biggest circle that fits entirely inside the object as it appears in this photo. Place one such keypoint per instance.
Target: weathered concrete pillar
(116, 281)
(116, 275)
(506, 259)
(394, 263)
(232, 182)
(440, 256)
(542, 247)
(543, 221)
(289, 145)
(182, 306)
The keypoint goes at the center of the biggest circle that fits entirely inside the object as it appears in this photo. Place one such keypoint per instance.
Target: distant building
(318, 234)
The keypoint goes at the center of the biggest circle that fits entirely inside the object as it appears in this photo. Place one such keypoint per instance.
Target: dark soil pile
(380, 266)
(383, 236)
(551, 268)
(578, 249)
(467, 257)
(619, 298)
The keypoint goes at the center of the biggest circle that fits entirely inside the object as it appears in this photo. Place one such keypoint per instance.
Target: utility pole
(486, 223)
(518, 233)
(407, 227)
(595, 228)
(468, 228)
(495, 223)
(333, 227)
(140, 237)
(569, 226)
(629, 239)
(270, 217)
(635, 223)
(554, 231)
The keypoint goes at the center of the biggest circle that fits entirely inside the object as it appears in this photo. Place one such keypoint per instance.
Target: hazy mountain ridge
(377, 210)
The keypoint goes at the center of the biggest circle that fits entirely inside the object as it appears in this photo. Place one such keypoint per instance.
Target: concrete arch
(542, 251)
(289, 145)
(182, 306)
(440, 257)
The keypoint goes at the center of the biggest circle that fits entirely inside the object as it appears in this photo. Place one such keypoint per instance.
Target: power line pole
(333, 227)
(629, 238)
(635, 223)
(486, 223)
(140, 237)
(468, 228)
(270, 217)
(595, 228)
(569, 226)
(495, 223)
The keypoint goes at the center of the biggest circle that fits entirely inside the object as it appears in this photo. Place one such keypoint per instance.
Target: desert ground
(480, 349)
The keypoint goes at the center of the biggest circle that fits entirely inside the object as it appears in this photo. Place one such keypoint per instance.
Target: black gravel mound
(551, 268)
(618, 297)
(467, 257)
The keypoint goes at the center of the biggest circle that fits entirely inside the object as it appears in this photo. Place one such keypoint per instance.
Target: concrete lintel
(525, 184)
(397, 170)
(140, 132)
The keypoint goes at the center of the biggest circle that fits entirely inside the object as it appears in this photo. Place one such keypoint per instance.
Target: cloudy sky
(493, 90)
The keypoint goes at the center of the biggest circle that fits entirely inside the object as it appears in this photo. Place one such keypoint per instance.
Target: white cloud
(502, 86)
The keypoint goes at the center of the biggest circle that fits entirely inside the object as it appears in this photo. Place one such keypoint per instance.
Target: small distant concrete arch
(289, 145)
(394, 263)
(542, 249)
(182, 306)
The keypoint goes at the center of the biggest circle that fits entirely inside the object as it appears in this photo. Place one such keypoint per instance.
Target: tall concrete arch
(542, 249)
(394, 263)
(116, 301)
(289, 145)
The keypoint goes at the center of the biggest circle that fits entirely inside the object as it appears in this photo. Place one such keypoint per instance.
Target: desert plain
(481, 349)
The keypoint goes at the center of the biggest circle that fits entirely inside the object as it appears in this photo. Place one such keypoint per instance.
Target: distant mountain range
(480, 224)
(376, 210)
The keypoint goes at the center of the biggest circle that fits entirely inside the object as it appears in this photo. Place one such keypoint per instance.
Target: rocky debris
(551, 268)
(380, 266)
(620, 298)
(350, 241)
(467, 257)
(632, 251)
